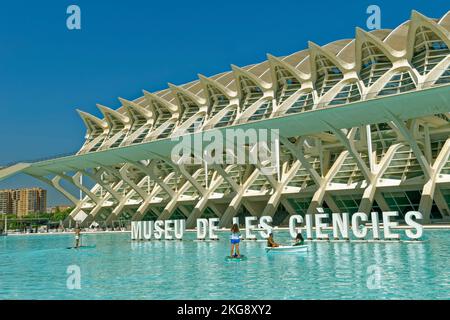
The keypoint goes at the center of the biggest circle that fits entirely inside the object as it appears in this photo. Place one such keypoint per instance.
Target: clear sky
(47, 71)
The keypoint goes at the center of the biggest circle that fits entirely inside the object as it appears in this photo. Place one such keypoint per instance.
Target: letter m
(136, 230)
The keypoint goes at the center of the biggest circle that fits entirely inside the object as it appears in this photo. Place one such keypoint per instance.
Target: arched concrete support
(224, 173)
(94, 212)
(173, 194)
(287, 205)
(426, 201)
(369, 192)
(123, 172)
(55, 183)
(349, 143)
(136, 188)
(255, 208)
(275, 198)
(140, 212)
(149, 170)
(410, 139)
(191, 181)
(381, 202)
(97, 177)
(75, 180)
(297, 151)
(319, 195)
(232, 209)
(237, 201)
(441, 202)
(203, 202)
(160, 183)
(112, 192)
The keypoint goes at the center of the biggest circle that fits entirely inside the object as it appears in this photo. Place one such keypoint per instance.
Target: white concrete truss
(363, 123)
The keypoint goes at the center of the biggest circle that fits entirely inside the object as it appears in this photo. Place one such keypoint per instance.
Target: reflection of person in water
(270, 242)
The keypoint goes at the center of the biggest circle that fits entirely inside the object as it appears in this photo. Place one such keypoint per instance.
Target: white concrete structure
(364, 126)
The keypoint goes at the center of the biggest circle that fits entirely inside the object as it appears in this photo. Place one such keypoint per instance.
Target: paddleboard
(241, 258)
(83, 247)
(281, 249)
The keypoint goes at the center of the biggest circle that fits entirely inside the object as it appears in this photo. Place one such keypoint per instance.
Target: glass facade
(327, 75)
(304, 103)
(287, 84)
(400, 82)
(349, 93)
(374, 64)
(429, 50)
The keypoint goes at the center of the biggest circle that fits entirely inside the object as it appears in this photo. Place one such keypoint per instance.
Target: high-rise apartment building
(23, 201)
(5, 201)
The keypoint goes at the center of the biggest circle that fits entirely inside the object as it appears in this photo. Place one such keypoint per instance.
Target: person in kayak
(270, 242)
(235, 239)
(299, 241)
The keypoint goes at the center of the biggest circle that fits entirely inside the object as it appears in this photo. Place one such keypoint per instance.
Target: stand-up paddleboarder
(77, 236)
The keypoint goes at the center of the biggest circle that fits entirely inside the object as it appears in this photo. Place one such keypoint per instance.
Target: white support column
(405, 132)
(55, 183)
(203, 201)
(275, 198)
(237, 200)
(98, 178)
(75, 180)
(426, 201)
(369, 192)
(369, 148)
(135, 188)
(191, 181)
(277, 158)
(297, 151)
(319, 195)
(349, 143)
(81, 183)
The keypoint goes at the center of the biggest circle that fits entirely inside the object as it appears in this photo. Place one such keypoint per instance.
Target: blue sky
(47, 71)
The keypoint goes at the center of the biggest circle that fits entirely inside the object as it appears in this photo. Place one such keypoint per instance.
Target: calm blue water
(34, 267)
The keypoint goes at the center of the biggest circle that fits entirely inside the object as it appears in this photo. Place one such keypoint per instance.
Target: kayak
(83, 247)
(241, 258)
(302, 248)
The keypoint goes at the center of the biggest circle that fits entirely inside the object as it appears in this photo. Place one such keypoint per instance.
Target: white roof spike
(363, 36)
(300, 75)
(445, 21)
(113, 113)
(90, 121)
(163, 102)
(237, 70)
(418, 20)
(315, 48)
(134, 107)
(197, 99)
(205, 80)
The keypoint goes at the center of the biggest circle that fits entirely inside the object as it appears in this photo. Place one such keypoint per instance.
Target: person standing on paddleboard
(77, 236)
(235, 239)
